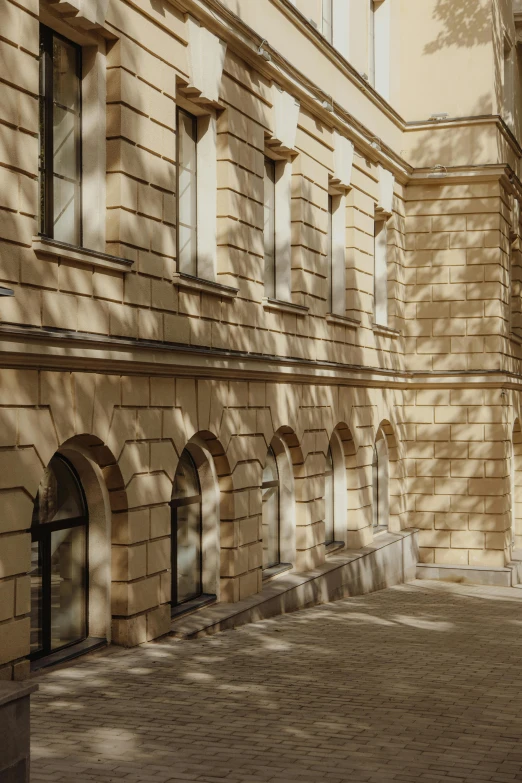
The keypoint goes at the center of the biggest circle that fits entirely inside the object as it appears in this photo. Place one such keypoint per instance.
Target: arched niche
(195, 524)
(278, 505)
(340, 481)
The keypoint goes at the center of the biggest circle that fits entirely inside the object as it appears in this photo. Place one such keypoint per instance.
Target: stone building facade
(262, 275)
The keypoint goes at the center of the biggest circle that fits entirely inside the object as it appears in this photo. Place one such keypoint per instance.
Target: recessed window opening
(329, 254)
(380, 277)
(327, 20)
(329, 499)
(508, 82)
(186, 538)
(60, 162)
(270, 227)
(271, 512)
(187, 192)
(59, 561)
(371, 44)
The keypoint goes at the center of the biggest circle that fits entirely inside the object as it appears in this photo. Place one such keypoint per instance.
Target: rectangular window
(186, 156)
(60, 162)
(371, 44)
(327, 20)
(380, 277)
(507, 83)
(269, 227)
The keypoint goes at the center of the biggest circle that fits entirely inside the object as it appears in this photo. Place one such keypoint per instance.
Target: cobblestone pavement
(421, 682)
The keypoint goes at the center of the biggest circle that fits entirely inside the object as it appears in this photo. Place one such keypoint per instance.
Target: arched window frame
(41, 534)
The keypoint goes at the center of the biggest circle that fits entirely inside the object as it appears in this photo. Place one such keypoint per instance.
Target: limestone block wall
(113, 357)
(132, 431)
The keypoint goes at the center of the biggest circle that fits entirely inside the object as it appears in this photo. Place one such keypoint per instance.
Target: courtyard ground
(421, 682)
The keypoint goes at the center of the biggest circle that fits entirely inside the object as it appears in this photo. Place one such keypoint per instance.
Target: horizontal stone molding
(82, 255)
(386, 330)
(343, 320)
(284, 307)
(47, 348)
(205, 286)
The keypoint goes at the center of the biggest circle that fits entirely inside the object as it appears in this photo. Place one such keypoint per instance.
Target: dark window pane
(60, 138)
(189, 552)
(329, 518)
(68, 570)
(186, 532)
(66, 86)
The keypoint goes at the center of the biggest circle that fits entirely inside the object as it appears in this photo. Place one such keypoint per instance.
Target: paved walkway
(421, 682)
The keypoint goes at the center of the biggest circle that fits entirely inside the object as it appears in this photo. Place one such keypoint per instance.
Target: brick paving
(421, 682)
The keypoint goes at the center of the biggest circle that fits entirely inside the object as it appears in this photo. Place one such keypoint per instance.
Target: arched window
(271, 496)
(59, 572)
(329, 499)
(380, 506)
(186, 536)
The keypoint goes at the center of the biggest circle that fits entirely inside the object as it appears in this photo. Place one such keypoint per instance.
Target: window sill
(333, 546)
(380, 529)
(6, 291)
(343, 320)
(193, 283)
(68, 653)
(284, 307)
(51, 247)
(273, 571)
(192, 606)
(381, 329)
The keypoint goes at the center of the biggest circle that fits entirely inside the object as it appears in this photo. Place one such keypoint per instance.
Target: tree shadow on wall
(463, 24)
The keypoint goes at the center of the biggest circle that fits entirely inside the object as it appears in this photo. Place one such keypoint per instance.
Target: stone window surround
(206, 183)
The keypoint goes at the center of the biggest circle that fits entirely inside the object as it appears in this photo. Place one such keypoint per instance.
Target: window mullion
(45, 552)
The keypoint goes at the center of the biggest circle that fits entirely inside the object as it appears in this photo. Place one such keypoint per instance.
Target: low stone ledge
(391, 559)
(15, 731)
(465, 574)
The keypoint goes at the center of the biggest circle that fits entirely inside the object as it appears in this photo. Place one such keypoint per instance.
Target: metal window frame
(42, 533)
(46, 98)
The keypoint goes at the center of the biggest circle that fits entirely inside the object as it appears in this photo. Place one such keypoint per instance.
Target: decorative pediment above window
(384, 206)
(343, 161)
(206, 55)
(84, 14)
(285, 116)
